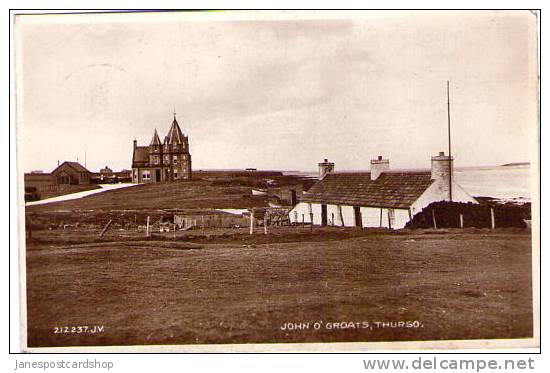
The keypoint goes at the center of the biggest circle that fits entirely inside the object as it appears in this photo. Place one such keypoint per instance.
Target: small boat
(259, 192)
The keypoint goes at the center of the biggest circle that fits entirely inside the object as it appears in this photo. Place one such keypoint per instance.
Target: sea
(507, 183)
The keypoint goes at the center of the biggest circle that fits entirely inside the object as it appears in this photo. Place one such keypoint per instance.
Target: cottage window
(146, 175)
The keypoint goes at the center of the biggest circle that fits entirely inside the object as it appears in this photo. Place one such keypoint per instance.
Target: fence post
(105, 228)
(147, 228)
(252, 221)
(492, 218)
(311, 220)
(433, 219)
(461, 221)
(265, 222)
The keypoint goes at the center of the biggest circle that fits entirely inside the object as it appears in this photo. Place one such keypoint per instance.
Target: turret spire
(156, 139)
(175, 136)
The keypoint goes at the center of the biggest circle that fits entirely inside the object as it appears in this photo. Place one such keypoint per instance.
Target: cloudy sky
(277, 91)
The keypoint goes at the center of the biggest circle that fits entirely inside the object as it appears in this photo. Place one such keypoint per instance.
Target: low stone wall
(447, 215)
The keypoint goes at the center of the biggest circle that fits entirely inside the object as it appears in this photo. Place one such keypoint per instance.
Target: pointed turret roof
(156, 139)
(175, 136)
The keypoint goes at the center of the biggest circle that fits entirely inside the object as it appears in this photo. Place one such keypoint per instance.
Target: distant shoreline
(516, 164)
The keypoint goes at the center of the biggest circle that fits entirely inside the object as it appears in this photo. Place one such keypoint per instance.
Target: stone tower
(177, 158)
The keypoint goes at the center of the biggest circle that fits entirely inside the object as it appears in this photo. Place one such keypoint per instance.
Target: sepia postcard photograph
(278, 180)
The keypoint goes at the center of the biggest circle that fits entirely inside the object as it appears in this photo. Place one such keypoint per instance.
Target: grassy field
(179, 195)
(193, 194)
(241, 289)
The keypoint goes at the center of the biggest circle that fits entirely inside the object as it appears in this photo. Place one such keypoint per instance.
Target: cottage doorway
(358, 217)
(323, 215)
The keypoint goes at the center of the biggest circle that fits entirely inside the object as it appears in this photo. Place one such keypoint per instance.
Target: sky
(278, 90)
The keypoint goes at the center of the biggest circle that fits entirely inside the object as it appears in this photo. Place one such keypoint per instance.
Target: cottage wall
(370, 216)
(438, 192)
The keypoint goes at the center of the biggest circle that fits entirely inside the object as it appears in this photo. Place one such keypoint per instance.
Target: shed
(72, 173)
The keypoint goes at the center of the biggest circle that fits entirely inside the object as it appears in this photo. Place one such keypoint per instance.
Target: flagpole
(450, 154)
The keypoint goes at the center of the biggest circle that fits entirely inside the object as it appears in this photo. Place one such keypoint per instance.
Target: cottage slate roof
(392, 189)
(141, 156)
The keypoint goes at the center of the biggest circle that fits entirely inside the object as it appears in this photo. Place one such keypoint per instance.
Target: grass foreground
(355, 287)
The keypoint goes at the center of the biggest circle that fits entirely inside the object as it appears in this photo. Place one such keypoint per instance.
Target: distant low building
(107, 176)
(162, 161)
(379, 198)
(106, 171)
(67, 177)
(38, 180)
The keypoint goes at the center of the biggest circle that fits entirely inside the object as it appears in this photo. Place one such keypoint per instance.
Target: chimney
(325, 168)
(135, 143)
(377, 166)
(443, 172)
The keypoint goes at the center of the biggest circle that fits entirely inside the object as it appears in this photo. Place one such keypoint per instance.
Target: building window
(146, 175)
(175, 174)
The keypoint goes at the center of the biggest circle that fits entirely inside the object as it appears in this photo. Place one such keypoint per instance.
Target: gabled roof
(140, 156)
(155, 140)
(392, 189)
(175, 136)
(74, 165)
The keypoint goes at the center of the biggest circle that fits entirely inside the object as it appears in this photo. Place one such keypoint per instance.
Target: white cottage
(379, 198)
